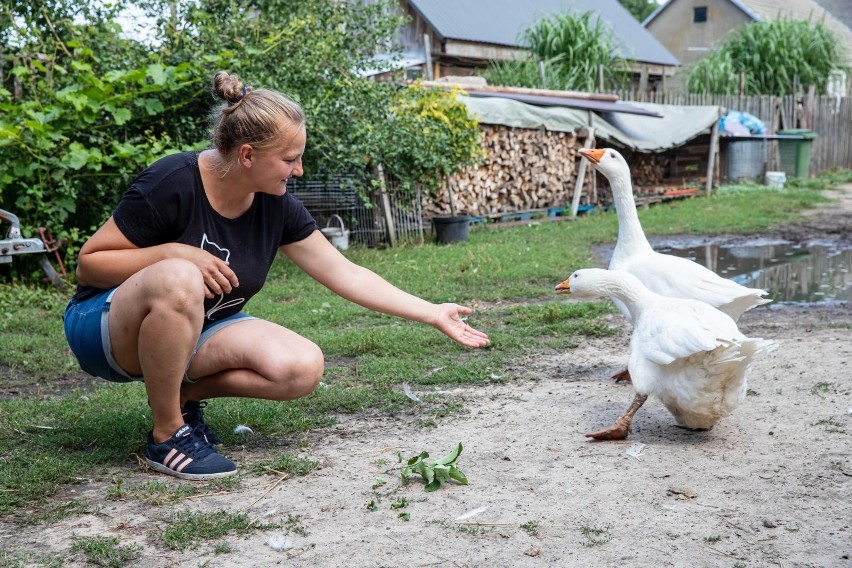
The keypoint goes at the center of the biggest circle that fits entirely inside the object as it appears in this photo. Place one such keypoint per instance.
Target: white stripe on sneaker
(184, 464)
(169, 456)
(172, 461)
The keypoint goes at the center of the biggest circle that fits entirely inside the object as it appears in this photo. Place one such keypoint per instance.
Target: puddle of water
(796, 273)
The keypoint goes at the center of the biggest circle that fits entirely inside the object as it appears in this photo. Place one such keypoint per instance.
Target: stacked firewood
(646, 170)
(523, 170)
(531, 169)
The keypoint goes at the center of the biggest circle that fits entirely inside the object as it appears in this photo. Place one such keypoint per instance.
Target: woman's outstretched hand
(450, 323)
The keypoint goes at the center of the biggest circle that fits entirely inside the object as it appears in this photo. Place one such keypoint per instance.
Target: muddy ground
(770, 485)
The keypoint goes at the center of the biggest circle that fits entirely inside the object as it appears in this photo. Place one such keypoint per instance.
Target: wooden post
(452, 196)
(809, 107)
(427, 48)
(386, 208)
(711, 158)
(643, 83)
(581, 173)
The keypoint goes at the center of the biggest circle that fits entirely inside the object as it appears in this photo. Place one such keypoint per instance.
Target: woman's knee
(301, 373)
(176, 282)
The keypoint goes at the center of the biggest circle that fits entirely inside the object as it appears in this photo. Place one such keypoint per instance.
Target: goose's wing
(678, 277)
(676, 329)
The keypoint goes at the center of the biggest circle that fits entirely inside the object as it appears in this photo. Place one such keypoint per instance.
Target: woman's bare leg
(254, 358)
(155, 320)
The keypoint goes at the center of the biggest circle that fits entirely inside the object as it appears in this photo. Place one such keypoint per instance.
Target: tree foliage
(83, 107)
(81, 111)
(575, 49)
(640, 9)
(774, 57)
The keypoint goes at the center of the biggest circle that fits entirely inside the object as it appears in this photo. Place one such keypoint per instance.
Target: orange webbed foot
(622, 376)
(618, 431)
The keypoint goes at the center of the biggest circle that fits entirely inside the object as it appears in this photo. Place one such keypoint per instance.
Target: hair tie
(245, 90)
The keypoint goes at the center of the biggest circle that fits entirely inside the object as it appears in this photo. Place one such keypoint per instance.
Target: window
(699, 14)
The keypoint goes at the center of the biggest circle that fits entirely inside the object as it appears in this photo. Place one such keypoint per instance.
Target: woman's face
(272, 167)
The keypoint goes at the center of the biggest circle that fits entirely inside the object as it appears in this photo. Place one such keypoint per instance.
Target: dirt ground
(770, 485)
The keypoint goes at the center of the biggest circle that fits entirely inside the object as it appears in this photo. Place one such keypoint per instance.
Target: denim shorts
(87, 331)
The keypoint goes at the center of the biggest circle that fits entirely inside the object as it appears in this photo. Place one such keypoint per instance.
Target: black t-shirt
(166, 203)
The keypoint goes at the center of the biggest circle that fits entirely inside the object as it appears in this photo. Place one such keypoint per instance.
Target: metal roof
(501, 22)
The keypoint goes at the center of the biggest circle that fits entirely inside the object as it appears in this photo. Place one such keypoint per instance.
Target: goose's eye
(611, 155)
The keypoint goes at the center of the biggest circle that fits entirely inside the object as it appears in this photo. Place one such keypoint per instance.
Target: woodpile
(522, 170)
(529, 170)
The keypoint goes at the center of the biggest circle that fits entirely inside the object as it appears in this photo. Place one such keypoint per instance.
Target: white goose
(685, 352)
(662, 273)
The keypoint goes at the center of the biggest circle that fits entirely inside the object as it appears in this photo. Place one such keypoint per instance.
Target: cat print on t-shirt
(225, 255)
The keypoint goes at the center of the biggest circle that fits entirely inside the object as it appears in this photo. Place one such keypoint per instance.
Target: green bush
(773, 56)
(575, 49)
(83, 109)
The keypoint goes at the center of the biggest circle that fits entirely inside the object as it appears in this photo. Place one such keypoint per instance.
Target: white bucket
(776, 179)
(338, 236)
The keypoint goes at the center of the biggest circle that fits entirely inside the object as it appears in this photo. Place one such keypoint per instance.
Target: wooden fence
(829, 117)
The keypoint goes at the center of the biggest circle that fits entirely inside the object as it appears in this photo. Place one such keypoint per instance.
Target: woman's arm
(108, 258)
(319, 259)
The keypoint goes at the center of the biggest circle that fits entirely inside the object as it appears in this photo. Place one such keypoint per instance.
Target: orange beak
(593, 156)
(564, 287)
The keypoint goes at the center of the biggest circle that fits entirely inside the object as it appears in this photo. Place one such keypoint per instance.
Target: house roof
(836, 14)
(500, 22)
(840, 9)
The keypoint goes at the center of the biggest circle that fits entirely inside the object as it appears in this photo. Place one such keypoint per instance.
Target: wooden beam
(711, 158)
(581, 173)
(427, 48)
(386, 208)
(523, 91)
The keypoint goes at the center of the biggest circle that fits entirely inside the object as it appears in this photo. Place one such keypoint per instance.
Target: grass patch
(595, 536)
(157, 492)
(187, 529)
(24, 559)
(105, 551)
(531, 528)
(470, 529)
(821, 388)
(506, 273)
(831, 425)
(287, 463)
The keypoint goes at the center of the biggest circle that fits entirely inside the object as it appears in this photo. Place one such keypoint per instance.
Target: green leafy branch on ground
(436, 473)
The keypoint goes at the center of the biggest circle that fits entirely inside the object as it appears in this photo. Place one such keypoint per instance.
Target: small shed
(532, 160)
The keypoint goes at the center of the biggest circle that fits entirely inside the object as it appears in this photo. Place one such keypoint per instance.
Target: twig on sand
(282, 473)
(711, 506)
(724, 553)
(204, 495)
(273, 486)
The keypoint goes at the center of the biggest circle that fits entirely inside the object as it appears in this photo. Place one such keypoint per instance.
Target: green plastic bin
(795, 153)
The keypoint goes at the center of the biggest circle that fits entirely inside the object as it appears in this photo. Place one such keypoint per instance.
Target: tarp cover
(678, 125)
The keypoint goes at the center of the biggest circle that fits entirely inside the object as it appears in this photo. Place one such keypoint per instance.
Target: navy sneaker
(193, 416)
(188, 455)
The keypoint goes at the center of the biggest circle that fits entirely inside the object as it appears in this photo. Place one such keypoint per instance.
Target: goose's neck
(628, 292)
(630, 234)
